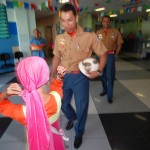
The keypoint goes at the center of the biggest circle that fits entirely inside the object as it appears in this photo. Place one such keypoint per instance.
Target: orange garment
(15, 111)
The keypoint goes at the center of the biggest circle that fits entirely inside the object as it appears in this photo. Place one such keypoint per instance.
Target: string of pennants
(128, 10)
(48, 5)
(38, 6)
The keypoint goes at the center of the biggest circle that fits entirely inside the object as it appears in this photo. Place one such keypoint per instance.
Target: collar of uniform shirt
(106, 30)
(72, 34)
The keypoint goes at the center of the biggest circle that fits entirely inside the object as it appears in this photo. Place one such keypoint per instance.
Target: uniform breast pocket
(62, 48)
(113, 38)
(83, 52)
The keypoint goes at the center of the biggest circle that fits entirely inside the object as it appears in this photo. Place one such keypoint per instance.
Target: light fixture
(100, 9)
(63, 1)
(113, 15)
(147, 10)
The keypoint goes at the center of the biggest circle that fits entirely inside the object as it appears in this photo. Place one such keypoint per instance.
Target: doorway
(49, 41)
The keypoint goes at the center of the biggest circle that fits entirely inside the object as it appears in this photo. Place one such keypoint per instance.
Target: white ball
(88, 65)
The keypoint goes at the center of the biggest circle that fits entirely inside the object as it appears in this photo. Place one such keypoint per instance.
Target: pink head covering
(33, 72)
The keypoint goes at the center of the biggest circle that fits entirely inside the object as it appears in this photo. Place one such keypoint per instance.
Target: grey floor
(131, 95)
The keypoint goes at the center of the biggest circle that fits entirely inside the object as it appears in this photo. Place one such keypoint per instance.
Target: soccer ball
(87, 65)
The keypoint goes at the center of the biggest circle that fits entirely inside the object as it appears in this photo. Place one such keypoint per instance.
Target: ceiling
(88, 6)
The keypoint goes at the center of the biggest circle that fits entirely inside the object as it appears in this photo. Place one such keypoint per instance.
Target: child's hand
(13, 89)
(61, 72)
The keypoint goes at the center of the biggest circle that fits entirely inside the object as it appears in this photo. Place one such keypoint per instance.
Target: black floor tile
(118, 125)
(131, 59)
(4, 123)
(127, 131)
(147, 139)
(142, 122)
(128, 144)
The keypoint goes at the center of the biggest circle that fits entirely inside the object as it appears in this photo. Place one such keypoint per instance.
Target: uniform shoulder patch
(60, 32)
(87, 30)
(99, 36)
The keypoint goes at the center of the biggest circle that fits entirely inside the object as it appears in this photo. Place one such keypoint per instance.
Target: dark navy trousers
(108, 75)
(77, 85)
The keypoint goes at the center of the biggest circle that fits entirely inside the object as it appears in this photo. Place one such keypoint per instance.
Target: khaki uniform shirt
(110, 39)
(74, 49)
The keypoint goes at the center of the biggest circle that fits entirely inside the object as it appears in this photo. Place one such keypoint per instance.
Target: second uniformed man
(112, 39)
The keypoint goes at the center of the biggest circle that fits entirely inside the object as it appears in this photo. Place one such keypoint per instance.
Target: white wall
(31, 21)
(86, 21)
(11, 15)
(145, 28)
(23, 31)
(25, 22)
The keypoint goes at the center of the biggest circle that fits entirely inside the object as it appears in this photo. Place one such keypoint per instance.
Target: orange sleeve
(13, 111)
(56, 85)
(51, 107)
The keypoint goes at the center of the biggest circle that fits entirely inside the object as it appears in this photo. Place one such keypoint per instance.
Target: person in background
(37, 44)
(131, 36)
(112, 39)
(71, 47)
(139, 41)
(140, 35)
(40, 113)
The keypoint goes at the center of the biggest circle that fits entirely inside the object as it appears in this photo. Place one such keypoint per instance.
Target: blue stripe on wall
(7, 44)
(12, 28)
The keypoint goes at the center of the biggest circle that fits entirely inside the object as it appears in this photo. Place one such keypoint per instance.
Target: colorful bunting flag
(127, 10)
(96, 4)
(39, 7)
(139, 9)
(137, 1)
(15, 3)
(110, 13)
(75, 3)
(57, 1)
(26, 5)
(133, 10)
(132, 1)
(121, 11)
(33, 6)
(20, 4)
(43, 5)
(50, 6)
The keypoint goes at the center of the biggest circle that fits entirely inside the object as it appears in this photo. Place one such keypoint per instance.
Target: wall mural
(4, 32)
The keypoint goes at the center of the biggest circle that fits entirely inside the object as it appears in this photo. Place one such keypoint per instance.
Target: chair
(18, 55)
(4, 57)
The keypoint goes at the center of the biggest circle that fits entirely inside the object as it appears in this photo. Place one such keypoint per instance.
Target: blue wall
(7, 44)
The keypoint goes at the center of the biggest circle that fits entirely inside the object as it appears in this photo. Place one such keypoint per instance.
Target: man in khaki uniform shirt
(112, 40)
(70, 48)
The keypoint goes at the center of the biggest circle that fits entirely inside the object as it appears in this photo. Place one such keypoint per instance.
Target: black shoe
(103, 94)
(69, 125)
(110, 100)
(77, 142)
